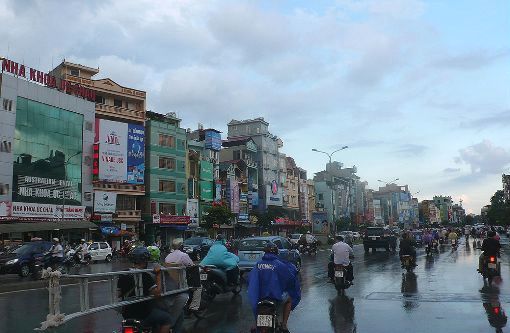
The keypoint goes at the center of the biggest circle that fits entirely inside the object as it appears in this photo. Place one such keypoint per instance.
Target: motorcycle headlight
(12, 262)
(189, 250)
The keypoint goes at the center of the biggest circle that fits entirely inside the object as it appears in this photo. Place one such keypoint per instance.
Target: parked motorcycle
(407, 262)
(214, 282)
(341, 282)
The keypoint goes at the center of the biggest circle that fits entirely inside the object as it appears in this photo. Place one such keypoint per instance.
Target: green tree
(218, 214)
(499, 211)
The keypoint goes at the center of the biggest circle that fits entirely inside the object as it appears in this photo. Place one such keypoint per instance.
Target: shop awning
(175, 226)
(43, 226)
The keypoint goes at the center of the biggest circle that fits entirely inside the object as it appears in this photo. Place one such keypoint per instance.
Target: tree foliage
(499, 211)
(218, 214)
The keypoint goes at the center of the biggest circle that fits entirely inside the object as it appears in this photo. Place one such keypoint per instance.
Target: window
(278, 243)
(166, 140)
(321, 196)
(94, 246)
(237, 155)
(166, 163)
(167, 209)
(166, 186)
(99, 99)
(126, 202)
(103, 246)
(286, 244)
(75, 72)
(117, 102)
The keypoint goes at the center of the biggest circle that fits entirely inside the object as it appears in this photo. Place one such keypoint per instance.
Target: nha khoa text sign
(31, 74)
(44, 211)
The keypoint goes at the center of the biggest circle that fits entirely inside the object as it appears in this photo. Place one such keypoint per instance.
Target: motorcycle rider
(83, 249)
(490, 247)
(147, 312)
(342, 254)
(453, 236)
(407, 247)
(275, 279)
(220, 257)
(177, 256)
(57, 253)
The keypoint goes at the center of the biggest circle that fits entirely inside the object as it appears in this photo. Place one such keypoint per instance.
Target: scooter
(435, 245)
(491, 268)
(427, 249)
(267, 317)
(44, 262)
(214, 282)
(341, 282)
(454, 244)
(407, 262)
(134, 326)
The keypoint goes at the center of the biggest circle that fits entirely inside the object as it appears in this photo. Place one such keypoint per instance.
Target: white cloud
(484, 157)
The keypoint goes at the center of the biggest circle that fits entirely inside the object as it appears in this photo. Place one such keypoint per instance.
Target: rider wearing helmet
(220, 257)
(147, 312)
(274, 279)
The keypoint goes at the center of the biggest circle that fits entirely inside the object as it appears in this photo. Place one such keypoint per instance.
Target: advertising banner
(206, 170)
(112, 150)
(5, 209)
(174, 219)
(319, 222)
(234, 187)
(217, 192)
(213, 140)
(21, 209)
(274, 194)
(253, 198)
(135, 154)
(192, 212)
(105, 202)
(243, 217)
(206, 190)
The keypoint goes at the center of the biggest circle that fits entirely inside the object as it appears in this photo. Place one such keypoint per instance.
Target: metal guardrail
(176, 275)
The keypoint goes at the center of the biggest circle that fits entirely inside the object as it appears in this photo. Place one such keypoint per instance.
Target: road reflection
(341, 314)
(495, 313)
(409, 290)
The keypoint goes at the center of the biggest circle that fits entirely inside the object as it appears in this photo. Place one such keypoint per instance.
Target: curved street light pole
(330, 155)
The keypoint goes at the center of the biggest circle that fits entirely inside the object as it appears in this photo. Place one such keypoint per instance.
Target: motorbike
(214, 282)
(44, 262)
(73, 258)
(407, 262)
(267, 317)
(491, 268)
(341, 282)
(134, 326)
(308, 249)
(435, 245)
(454, 244)
(427, 249)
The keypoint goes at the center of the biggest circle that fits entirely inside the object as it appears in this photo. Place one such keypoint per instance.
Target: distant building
(396, 204)
(445, 204)
(429, 213)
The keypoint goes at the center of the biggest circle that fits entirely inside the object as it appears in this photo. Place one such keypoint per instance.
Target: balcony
(115, 111)
(129, 189)
(129, 214)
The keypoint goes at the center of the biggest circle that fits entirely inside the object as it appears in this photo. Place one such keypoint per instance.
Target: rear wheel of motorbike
(237, 289)
(24, 271)
(108, 258)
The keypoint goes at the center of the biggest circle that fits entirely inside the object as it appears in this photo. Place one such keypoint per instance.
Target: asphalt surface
(444, 295)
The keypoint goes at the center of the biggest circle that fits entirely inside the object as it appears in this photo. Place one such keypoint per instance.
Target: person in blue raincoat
(274, 279)
(220, 257)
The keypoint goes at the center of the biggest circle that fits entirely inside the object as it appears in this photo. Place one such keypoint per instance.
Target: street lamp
(65, 182)
(332, 195)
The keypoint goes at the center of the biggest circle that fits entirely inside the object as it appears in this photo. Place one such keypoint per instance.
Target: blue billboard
(135, 154)
(213, 140)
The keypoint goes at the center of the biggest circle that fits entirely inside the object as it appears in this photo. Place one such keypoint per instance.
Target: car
(251, 250)
(377, 237)
(197, 247)
(100, 251)
(20, 259)
(294, 238)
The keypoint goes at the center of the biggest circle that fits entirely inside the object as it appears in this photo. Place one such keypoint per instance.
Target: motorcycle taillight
(492, 259)
(496, 310)
(128, 330)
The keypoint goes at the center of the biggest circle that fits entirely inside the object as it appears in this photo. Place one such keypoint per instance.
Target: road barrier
(172, 283)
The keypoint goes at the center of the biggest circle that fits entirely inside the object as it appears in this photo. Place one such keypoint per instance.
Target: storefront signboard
(105, 202)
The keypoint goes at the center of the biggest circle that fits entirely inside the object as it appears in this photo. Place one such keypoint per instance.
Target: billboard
(274, 194)
(206, 190)
(206, 170)
(192, 212)
(121, 152)
(105, 202)
(42, 211)
(47, 152)
(213, 140)
(320, 222)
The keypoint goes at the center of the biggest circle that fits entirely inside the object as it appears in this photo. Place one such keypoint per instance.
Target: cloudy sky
(419, 90)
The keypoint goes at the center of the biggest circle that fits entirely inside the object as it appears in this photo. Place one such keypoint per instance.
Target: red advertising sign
(174, 219)
(46, 79)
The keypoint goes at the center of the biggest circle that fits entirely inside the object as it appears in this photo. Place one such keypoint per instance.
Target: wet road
(445, 295)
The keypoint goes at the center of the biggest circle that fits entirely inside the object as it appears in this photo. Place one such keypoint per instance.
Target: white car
(294, 238)
(100, 251)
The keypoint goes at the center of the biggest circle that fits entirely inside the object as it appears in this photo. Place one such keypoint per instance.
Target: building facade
(166, 182)
(46, 153)
(445, 205)
(119, 156)
(270, 187)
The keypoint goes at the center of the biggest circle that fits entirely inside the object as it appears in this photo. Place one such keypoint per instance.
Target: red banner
(174, 219)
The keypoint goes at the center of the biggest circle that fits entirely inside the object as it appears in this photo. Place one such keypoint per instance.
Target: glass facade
(45, 138)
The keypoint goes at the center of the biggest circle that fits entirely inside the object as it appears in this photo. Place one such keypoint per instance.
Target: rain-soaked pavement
(444, 295)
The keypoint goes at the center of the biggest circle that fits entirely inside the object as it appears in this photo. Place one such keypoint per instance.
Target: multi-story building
(429, 213)
(291, 189)
(378, 212)
(119, 149)
(238, 171)
(165, 175)
(395, 203)
(311, 199)
(268, 159)
(304, 205)
(46, 154)
(204, 146)
(458, 214)
(506, 187)
(445, 204)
